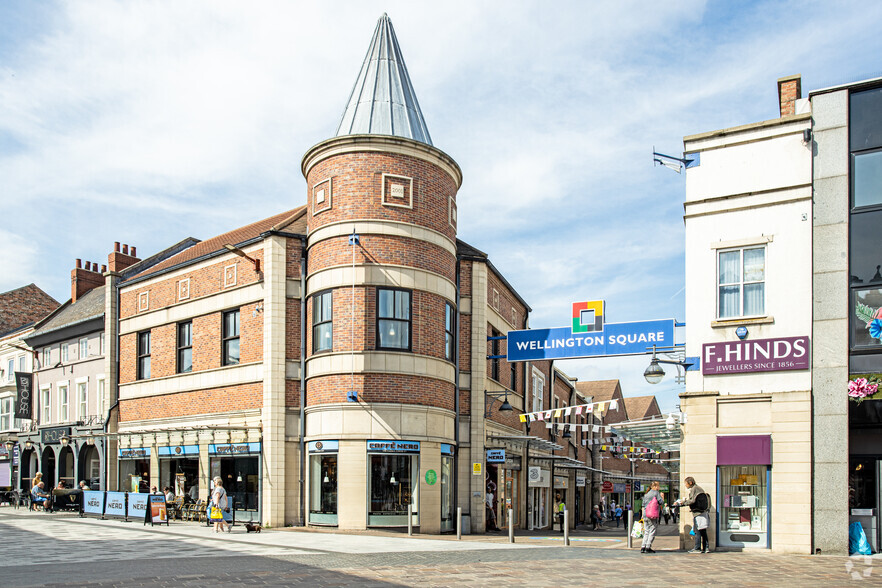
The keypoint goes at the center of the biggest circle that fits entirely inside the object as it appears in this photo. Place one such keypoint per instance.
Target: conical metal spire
(383, 101)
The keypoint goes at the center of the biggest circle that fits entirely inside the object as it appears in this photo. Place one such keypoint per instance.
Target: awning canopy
(528, 441)
(661, 433)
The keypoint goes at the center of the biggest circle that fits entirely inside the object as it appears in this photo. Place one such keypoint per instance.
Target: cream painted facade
(751, 189)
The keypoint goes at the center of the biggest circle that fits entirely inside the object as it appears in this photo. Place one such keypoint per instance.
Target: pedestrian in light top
(219, 500)
(652, 506)
(618, 515)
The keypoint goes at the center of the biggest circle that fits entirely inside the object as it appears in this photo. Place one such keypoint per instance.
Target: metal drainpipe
(456, 393)
(303, 253)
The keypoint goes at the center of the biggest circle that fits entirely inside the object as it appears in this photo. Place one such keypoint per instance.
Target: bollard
(459, 522)
(510, 527)
(628, 529)
(410, 519)
(566, 527)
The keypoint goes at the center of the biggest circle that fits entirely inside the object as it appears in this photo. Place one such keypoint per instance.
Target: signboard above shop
(589, 336)
(496, 456)
(393, 446)
(757, 355)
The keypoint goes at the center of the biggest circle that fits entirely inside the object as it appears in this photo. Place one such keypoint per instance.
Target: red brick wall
(507, 301)
(204, 280)
(207, 331)
(357, 190)
(393, 388)
(246, 396)
(382, 249)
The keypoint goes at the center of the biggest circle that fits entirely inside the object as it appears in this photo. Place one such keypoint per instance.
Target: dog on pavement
(252, 527)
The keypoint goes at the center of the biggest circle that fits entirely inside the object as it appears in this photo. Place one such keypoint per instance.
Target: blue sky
(147, 122)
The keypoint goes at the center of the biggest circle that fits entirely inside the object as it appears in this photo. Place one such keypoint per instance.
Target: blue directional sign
(615, 339)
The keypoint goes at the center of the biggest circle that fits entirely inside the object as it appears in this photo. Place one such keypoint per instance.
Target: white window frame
(45, 404)
(63, 389)
(46, 357)
(100, 383)
(65, 352)
(6, 414)
(740, 247)
(22, 363)
(101, 344)
(10, 367)
(538, 398)
(83, 342)
(82, 402)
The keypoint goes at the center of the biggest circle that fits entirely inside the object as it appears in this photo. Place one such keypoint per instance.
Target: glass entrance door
(540, 514)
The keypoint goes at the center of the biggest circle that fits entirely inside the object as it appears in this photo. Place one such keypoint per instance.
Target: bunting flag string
(599, 407)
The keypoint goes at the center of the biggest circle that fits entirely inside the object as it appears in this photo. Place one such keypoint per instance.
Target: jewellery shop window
(744, 506)
(393, 482)
(323, 482)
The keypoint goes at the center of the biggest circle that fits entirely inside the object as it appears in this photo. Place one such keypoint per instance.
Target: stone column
(273, 414)
(830, 322)
(478, 382)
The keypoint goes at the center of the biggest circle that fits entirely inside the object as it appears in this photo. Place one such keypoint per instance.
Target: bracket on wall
(240, 253)
(352, 396)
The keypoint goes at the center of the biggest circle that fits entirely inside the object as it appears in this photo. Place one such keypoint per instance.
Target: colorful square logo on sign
(588, 316)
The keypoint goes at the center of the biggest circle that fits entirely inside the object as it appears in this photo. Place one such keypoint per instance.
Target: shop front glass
(323, 483)
(134, 475)
(238, 465)
(179, 469)
(447, 522)
(744, 506)
(508, 490)
(392, 483)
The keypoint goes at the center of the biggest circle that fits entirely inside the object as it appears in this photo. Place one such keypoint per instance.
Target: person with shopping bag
(698, 502)
(652, 507)
(218, 506)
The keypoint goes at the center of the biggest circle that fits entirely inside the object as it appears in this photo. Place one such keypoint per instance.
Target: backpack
(701, 504)
(652, 510)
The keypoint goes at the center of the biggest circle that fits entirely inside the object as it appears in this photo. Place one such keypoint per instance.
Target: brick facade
(197, 402)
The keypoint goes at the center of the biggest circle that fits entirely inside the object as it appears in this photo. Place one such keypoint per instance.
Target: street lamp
(504, 407)
(29, 444)
(10, 445)
(65, 440)
(654, 373)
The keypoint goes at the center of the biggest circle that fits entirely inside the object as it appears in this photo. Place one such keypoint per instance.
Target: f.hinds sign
(759, 355)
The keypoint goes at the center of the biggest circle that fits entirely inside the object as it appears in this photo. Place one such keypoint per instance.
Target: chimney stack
(789, 91)
(120, 259)
(83, 279)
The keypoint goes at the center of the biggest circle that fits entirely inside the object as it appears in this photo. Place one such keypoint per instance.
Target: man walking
(698, 502)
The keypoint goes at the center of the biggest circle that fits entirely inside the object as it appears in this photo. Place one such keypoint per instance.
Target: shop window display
(241, 480)
(393, 486)
(134, 475)
(743, 506)
(323, 489)
(447, 516)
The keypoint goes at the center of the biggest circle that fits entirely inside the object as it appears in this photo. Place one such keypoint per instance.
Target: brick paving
(65, 551)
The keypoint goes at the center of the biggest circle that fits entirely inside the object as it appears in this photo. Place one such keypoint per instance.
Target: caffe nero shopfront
(394, 475)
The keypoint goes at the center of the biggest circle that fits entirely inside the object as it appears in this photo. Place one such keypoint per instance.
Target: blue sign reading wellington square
(615, 339)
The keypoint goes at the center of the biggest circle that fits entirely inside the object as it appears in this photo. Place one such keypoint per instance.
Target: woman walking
(652, 507)
(218, 501)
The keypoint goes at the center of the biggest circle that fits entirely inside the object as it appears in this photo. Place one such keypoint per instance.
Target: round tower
(381, 296)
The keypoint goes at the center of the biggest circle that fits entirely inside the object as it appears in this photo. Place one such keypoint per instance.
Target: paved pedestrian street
(64, 550)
